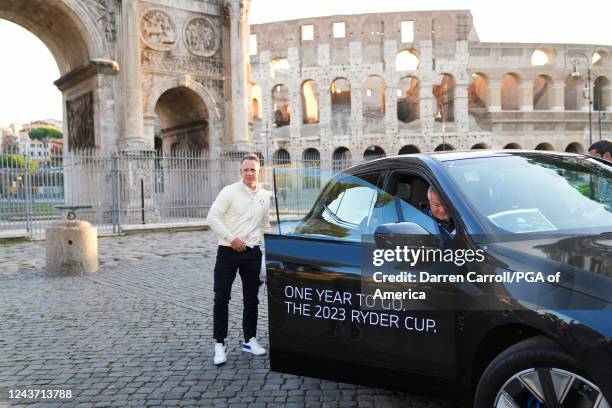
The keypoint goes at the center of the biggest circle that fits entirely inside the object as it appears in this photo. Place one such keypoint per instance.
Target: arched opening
(445, 99)
(340, 105)
(68, 35)
(280, 105)
(373, 152)
(279, 66)
(311, 156)
(311, 159)
(310, 102)
(256, 113)
(373, 100)
(479, 146)
(511, 92)
(601, 93)
(512, 146)
(341, 159)
(443, 147)
(572, 93)
(543, 93)
(600, 58)
(281, 157)
(406, 60)
(541, 57)
(408, 90)
(574, 147)
(183, 119)
(409, 149)
(477, 94)
(545, 146)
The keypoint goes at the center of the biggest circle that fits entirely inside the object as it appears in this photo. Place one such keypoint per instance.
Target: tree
(15, 161)
(44, 134)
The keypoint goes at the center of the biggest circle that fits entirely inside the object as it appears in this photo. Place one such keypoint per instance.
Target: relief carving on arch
(80, 114)
(104, 12)
(186, 64)
(201, 37)
(157, 30)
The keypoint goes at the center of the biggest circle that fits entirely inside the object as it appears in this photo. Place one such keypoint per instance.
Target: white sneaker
(253, 347)
(220, 354)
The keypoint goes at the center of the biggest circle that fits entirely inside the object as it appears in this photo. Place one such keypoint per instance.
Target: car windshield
(537, 193)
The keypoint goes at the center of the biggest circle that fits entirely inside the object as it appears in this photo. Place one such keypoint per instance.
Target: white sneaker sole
(246, 350)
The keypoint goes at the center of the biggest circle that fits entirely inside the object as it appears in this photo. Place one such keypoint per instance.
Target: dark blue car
(528, 323)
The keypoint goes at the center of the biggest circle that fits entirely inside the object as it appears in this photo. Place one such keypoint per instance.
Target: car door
(317, 311)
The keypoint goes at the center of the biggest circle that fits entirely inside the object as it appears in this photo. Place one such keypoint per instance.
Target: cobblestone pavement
(138, 333)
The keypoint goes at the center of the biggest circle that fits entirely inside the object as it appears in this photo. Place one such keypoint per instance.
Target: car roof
(452, 155)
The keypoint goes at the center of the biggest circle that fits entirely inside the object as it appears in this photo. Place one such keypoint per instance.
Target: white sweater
(239, 212)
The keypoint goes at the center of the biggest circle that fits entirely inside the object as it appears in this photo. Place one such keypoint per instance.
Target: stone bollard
(72, 248)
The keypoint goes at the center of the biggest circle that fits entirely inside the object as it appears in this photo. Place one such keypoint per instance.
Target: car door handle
(275, 265)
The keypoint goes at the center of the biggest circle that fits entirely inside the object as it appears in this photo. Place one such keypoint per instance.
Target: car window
(410, 191)
(349, 209)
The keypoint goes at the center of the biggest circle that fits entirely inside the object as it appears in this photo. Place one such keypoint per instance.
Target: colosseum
(362, 86)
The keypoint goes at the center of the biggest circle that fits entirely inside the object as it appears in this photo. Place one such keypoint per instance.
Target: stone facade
(435, 83)
(129, 66)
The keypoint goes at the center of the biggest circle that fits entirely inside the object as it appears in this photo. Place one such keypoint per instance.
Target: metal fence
(129, 188)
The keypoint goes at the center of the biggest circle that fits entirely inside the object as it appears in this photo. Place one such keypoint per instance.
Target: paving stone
(139, 333)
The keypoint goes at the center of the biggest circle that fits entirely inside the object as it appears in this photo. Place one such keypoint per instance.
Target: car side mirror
(402, 234)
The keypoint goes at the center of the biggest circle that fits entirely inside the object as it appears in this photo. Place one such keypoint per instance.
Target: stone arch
(601, 93)
(545, 146)
(542, 57)
(340, 92)
(310, 102)
(409, 149)
(512, 146)
(408, 98)
(373, 152)
(574, 147)
(444, 147)
(65, 27)
(600, 58)
(479, 146)
(511, 92)
(256, 102)
(279, 65)
(444, 93)
(407, 60)
(214, 113)
(572, 93)
(183, 119)
(373, 96)
(281, 157)
(477, 93)
(311, 156)
(341, 158)
(543, 97)
(280, 105)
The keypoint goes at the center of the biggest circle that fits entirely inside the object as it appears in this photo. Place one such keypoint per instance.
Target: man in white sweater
(239, 217)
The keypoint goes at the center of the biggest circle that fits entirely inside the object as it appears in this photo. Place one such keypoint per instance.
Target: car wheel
(536, 373)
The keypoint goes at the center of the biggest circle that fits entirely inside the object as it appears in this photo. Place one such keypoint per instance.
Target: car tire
(539, 353)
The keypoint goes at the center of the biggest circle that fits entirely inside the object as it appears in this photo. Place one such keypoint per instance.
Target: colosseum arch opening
(409, 149)
(341, 159)
(279, 67)
(340, 106)
(601, 93)
(574, 147)
(545, 146)
(407, 60)
(572, 93)
(373, 152)
(478, 101)
(543, 93)
(514, 146)
(542, 57)
(600, 58)
(511, 92)
(373, 100)
(310, 102)
(444, 92)
(256, 106)
(280, 105)
(444, 147)
(408, 95)
(479, 146)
